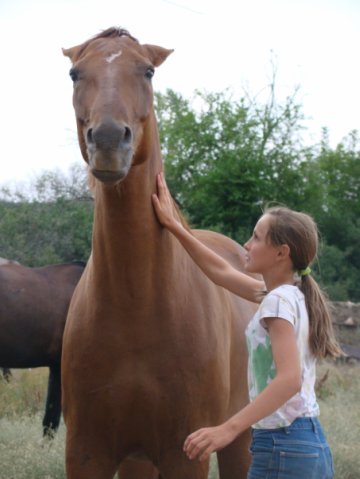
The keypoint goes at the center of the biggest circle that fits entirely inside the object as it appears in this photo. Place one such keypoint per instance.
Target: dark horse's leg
(53, 402)
(7, 374)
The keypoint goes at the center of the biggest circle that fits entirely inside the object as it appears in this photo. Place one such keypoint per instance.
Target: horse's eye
(74, 74)
(149, 72)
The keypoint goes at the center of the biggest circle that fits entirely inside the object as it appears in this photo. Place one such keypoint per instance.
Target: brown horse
(33, 309)
(152, 349)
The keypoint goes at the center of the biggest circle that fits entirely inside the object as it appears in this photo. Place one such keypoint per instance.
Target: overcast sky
(219, 45)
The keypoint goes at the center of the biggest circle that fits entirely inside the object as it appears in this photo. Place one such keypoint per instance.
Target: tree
(338, 215)
(226, 159)
(53, 225)
(223, 157)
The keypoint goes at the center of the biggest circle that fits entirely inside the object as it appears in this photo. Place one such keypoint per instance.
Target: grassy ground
(24, 454)
(340, 416)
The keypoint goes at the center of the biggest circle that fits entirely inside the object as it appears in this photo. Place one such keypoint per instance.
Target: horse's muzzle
(110, 151)
(108, 177)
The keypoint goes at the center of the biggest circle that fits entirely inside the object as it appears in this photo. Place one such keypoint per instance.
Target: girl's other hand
(200, 444)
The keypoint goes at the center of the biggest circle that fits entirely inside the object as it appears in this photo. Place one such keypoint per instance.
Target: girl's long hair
(299, 231)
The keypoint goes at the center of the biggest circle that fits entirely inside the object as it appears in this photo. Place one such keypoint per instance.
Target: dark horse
(33, 308)
(152, 349)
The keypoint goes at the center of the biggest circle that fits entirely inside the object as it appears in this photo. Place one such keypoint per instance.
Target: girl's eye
(149, 72)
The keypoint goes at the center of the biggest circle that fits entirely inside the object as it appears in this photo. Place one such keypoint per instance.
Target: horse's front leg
(234, 460)
(89, 458)
(52, 415)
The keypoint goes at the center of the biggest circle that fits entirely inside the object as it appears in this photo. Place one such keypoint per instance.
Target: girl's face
(261, 254)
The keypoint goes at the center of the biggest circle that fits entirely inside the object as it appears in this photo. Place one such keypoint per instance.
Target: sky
(218, 45)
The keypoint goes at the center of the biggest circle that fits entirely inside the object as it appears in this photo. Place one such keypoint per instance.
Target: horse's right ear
(156, 54)
(69, 52)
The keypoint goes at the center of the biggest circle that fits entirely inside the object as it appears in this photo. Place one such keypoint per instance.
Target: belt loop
(313, 422)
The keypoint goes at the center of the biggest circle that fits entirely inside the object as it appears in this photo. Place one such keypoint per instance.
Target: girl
(291, 328)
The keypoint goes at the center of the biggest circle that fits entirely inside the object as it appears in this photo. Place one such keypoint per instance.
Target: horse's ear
(156, 54)
(70, 52)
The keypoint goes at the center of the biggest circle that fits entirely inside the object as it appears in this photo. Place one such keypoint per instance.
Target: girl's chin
(249, 269)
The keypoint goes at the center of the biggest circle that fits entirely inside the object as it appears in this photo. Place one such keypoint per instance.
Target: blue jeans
(298, 451)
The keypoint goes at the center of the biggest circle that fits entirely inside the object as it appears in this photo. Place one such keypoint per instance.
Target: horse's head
(113, 99)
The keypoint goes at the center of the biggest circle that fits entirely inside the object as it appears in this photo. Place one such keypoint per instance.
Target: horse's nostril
(127, 134)
(89, 135)
(109, 136)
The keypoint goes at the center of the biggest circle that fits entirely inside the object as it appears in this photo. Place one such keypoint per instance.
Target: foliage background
(225, 160)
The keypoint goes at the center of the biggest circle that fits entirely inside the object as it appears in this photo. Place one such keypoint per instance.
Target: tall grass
(24, 454)
(340, 416)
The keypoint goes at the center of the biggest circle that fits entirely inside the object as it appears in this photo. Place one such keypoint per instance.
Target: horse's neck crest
(112, 57)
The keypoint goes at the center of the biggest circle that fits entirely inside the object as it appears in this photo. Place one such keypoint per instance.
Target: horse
(33, 309)
(6, 372)
(152, 349)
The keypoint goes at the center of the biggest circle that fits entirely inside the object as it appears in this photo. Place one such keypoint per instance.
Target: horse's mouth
(108, 177)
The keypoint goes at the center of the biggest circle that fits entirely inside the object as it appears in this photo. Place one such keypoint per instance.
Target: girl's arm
(214, 266)
(286, 384)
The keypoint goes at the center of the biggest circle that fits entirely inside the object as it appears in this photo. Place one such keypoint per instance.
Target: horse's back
(235, 254)
(229, 249)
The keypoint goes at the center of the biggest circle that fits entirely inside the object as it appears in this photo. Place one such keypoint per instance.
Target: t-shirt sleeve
(276, 306)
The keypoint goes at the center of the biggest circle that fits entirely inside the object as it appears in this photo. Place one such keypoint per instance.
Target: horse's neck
(129, 246)
(124, 214)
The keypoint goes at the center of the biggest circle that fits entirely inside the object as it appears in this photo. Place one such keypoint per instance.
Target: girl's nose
(246, 245)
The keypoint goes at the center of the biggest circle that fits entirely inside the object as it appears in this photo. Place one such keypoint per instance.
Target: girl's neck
(274, 281)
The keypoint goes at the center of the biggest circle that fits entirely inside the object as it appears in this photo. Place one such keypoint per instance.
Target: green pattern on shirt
(263, 365)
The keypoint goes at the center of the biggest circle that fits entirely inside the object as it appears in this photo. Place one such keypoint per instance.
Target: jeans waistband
(304, 423)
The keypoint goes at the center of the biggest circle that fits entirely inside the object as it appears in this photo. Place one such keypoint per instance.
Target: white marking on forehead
(112, 57)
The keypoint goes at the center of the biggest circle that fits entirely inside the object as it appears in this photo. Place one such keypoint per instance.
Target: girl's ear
(283, 251)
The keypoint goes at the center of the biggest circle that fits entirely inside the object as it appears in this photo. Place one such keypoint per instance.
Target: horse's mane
(112, 32)
(182, 218)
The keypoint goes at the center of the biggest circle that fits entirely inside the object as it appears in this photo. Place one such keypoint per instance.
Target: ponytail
(321, 333)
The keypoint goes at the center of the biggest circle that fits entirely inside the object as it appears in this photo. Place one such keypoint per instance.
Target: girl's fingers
(206, 454)
(163, 186)
(155, 200)
(197, 445)
(191, 438)
(196, 450)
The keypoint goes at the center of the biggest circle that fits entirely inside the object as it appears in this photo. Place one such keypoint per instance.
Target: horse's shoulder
(226, 247)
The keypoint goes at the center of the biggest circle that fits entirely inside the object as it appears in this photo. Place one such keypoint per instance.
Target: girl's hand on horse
(200, 444)
(163, 203)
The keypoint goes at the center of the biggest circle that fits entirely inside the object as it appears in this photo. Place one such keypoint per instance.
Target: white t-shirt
(286, 302)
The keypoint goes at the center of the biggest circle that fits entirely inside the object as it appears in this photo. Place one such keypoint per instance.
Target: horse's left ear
(156, 54)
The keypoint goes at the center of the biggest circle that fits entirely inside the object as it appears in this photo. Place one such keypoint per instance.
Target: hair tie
(304, 272)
